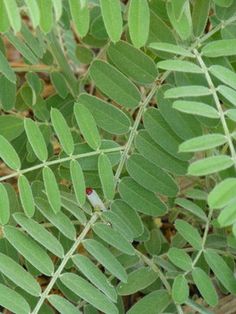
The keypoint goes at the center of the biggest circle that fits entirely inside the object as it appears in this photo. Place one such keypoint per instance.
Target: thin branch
(218, 105)
(66, 258)
(61, 160)
(156, 269)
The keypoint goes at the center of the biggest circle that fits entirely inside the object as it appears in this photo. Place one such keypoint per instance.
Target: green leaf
(94, 274)
(5, 69)
(106, 176)
(227, 216)
(84, 54)
(46, 15)
(196, 108)
(138, 22)
(118, 224)
(189, 233)
(178, 8)
(19, 275)
(171, 48)
(200, 16)
(162, 134)
(13, 13)
(4, 205)
(220, 48)
(22, 48)
(180, 290)
(35, 84)
(40, 234)
(88, 293)
(221, 270)
(59, 83)
(26, 196)
(106, 258)
(210, 165)
(132, 62)
(11, 127)
(7, 93)
(87, 126)
(150, 176)
(59, 220)
(191, 207)
(187, 91)
(231, 113)
(180, 258)
(13, 301)
(179, 66)
(80, 15)
(154, 302)
(153, 245)
(138, 280)
(62, 305)
(4, 20)
(113, 237)
(9, 155)
(223, 3)
(30, 250)
(222, 193)
(62, 131)
(225, 75)
(202, 143)
(33, 10)
(58, 7)
(155, 154)
(141, 199)
(70, 204)
(114, 84)
(77, 178)
(182, 125)
(52, 189)
(228, 93)
(182, 25)
(205, 286)
(36, 139)
(129, 217)
(111, 13)
(107, 116)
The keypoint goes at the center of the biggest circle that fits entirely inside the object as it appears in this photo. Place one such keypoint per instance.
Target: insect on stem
(94, 199)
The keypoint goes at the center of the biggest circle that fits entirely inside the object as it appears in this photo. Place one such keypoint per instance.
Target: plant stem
(156, 269)
(217, 28)
(218, 105)
(207, 227)
(133, 132)
(66, 258)
(33, 68)
(58, 161)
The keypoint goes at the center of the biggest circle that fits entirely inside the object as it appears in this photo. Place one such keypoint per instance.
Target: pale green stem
(204, 238)
(61, 160)
(66, 258)
(133, 132)
(156, 269)
(35, 68)
(217, 28)
(218, 105)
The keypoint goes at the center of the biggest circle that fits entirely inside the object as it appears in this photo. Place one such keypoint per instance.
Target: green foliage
(117, 148)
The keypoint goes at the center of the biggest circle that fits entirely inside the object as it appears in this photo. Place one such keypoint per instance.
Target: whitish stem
(66, 258)
(152, 92)
(61, 160)
(207, 227)
(133, 131)
(156, 269)
(218, 105)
